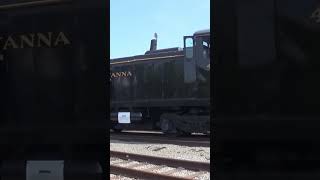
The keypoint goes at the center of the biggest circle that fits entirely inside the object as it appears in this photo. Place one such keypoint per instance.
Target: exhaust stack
(153, 45)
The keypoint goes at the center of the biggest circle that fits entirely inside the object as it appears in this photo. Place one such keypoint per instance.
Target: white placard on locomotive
(40, 170)
(124, 117)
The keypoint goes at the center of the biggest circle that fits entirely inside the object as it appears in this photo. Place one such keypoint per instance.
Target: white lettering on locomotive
(32, 40)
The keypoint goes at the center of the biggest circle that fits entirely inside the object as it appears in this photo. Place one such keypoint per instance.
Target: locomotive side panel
(148, 83)
(39, 80)
(52, 80)
(157, 95)
(271, 81)
(174, 86)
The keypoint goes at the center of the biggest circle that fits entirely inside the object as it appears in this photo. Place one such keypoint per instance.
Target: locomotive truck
(166, 89)
(53, 90)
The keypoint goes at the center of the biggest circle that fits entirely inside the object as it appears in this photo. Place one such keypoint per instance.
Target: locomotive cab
(197, 54)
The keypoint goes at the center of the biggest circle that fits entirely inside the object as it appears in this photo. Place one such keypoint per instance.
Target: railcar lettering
(45, 39)
(48, 39)
(10, 43)
(27, 40)
(121, 74)
(61, 39)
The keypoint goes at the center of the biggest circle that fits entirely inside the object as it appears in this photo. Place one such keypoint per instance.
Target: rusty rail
(192, 165)
(143, 174)
(199, 167)
(194, 141)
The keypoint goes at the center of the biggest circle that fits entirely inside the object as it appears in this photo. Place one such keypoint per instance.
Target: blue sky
(133, 23)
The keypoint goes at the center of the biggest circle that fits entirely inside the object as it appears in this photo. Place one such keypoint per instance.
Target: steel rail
(192, 165)
(165, 141)
(160, 138)
(114, 169)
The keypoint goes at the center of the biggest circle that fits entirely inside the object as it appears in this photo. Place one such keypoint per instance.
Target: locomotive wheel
(166, 124)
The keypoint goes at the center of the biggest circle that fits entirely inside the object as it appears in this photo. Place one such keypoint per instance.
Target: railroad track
(193, 141)
(129, 165)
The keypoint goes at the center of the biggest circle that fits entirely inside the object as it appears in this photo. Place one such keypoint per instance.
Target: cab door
(189, 60)
(202, 56)
(190, 75)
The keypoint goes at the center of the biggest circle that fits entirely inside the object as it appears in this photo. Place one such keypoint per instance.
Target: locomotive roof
(158, 51)
(152, 56)
(204, 31)
(157, 54)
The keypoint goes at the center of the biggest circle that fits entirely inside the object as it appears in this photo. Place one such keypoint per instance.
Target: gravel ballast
(201, 154)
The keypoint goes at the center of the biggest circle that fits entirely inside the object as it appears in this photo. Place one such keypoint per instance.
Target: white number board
(124, 117)
(44, 170)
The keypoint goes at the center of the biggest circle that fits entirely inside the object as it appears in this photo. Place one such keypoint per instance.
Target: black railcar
(266, 97)
(53, 90)
(166, 89)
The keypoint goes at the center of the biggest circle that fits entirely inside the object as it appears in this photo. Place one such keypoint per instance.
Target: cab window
(205, 47)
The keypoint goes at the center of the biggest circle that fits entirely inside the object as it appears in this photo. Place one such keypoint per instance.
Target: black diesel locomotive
(266, 95)
(53, 91)
(167, 89)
